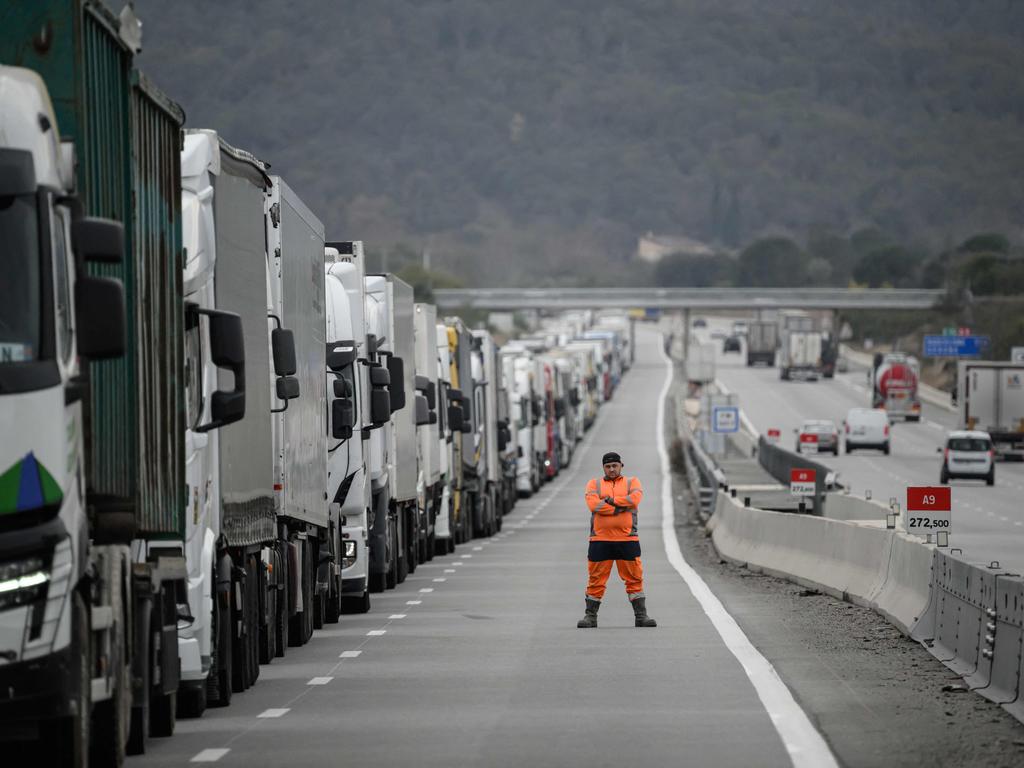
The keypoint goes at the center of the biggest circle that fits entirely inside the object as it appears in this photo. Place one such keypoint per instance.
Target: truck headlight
(43, 620)
(23, 581)
(349, 558)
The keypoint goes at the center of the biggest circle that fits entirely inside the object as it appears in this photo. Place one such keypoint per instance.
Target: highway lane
(988, 522)
(476, 659)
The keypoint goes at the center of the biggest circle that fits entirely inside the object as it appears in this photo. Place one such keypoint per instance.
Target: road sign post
(929, 511)
(802, 481)
(725, 419)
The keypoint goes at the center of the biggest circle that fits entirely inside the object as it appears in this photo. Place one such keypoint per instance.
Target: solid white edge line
(806, 747)
(209, 755)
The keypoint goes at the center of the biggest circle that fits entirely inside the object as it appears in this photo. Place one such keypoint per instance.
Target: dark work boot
(640, 612)
(589, 620)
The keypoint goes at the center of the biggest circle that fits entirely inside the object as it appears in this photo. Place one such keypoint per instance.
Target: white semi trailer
(230, 530)
(990, 396)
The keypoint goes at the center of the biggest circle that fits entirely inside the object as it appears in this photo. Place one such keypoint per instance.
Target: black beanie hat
(611, 456)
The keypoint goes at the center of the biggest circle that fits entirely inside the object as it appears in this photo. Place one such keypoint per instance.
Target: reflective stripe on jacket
(615, 521)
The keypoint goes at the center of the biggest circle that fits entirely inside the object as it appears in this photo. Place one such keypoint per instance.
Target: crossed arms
(614, 505)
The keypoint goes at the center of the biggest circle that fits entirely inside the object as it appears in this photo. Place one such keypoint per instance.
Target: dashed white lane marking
(806, 747)
(281, 712)
(450, 570)
(440, 579)
(458, 563)
(349, 654)
(465, 556)
(209, 755)
(427, 589)
(477, 549)
(397, 616)
(376, 632)
(414, 602)
(511, 532)
(319, 681)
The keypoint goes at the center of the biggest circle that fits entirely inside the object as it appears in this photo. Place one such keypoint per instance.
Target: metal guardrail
(687, 298)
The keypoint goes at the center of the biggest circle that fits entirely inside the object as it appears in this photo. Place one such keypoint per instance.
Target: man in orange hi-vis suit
(614, 501)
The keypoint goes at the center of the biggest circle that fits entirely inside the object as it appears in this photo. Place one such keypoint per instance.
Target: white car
(867, 428)
(968, 454)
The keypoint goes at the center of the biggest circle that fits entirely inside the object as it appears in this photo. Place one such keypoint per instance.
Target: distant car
(968, 454)
(732, 344)
(828, 435)
(739, 327)
(842, 365)
(718, 333)
(700, 322)
(867, 428)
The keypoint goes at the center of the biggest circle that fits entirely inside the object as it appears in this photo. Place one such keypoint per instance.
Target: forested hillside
(532, 141)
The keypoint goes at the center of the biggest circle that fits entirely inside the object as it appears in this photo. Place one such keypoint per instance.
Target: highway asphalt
(476, 660)
(988, 522)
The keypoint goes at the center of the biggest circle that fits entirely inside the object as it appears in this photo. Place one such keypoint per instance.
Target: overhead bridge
(687, 298)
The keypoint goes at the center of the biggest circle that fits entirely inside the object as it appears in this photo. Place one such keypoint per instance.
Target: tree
(891, 265)
(683, 270)
(772, 261)
(987, 242)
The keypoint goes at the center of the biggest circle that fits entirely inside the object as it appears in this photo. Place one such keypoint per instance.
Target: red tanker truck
(894, 378)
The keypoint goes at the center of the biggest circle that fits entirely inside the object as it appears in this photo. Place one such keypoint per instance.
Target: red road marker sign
(929, 509)
(801, 482)
(774, 435)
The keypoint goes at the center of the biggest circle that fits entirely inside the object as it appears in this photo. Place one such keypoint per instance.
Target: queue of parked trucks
(220, 430)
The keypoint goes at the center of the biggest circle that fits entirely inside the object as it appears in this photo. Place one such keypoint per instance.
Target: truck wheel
(219, 681)
(66, 739)
(944, 476)
(192, 701)
(356, 604)
(991, 478)
(239, 635)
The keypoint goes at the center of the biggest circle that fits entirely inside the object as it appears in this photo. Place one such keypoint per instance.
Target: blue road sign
(725, 418)
(955, 346)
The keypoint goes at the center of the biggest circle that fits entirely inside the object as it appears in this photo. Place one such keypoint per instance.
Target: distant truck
(800, 346)
(894, 383)
(991, 398)
(762, 341)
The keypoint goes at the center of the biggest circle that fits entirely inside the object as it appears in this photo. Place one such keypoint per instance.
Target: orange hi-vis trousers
(630, 571)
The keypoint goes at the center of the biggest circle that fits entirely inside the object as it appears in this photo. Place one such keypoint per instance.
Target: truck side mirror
(282, 342)
(342, 388)
(379, 377)
(455, 395)
(98, 240)
(467, 410)
(287, 388)
(380, 407)
(559, 407)
(99, 317)
(422, 411)
(340, 355)
(431, 395)
(227, 350)
(396, 370)
(455, 420)
(343, 418)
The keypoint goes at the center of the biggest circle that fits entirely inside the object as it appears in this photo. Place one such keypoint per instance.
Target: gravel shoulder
(879, 698)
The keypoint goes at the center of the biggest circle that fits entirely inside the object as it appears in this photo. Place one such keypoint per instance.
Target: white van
(867, 428)
(968, 454)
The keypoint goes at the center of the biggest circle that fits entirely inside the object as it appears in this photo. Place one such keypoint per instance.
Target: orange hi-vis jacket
(616, 521)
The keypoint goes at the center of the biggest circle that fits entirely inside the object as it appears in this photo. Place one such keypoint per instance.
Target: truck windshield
(20, 290)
